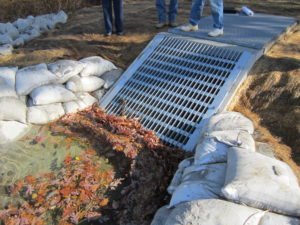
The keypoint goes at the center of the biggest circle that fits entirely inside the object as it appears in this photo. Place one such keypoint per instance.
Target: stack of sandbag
(13, 110)
(226, 166)
(42, 93)
(26, 29)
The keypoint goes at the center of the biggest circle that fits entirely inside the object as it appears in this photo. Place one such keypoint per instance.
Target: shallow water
(36, 153)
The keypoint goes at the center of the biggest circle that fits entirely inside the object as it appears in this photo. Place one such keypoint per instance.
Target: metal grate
(171, 87)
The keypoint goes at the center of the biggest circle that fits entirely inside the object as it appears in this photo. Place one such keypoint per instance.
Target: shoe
(160, 25)
(189, 27)
(120, 33)
(173, 24)
(216, 32)
(107, 34)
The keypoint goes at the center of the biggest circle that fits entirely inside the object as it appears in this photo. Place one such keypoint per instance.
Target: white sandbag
(44, 114)
(84, 84)
(32, 77)
(65, 69)
(43, 22)
(161, 216)
(18, 42)
(2, 28)
(9, 75)
(84, 100)
(26, 37)
(177, 178)
(33, 33)
(60, 17)
(214, 146)
(99, 94)
(12, 31)
(6, 90)
(218, 212)
(200, 182)
(11, 131)
(49, 94)
(261, 182)
(229, 121)
(6, 49)
(111, 77)
(5, 39)
(96, 66)
(23, 24)
(12, 109)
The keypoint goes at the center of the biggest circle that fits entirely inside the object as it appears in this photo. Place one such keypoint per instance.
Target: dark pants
(108, 5)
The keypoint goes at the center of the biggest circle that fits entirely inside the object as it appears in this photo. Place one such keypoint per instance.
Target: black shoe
(107, 34)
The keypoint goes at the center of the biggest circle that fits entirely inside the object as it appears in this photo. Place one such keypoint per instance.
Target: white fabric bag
(200, 182)
(229, 121)
(96, 66)
(98, 94)
(65, 69)
(218, 212)
(44, 114)
(261, 182)
(12, 109)
(5, 39)
(9, 75)
(32, 77)
(11, 130)
(6, 49)
(50, 94)
(6, 90)
(214, 146)
(111, 77)
(161, 216)
(84, 100)
(84, 84)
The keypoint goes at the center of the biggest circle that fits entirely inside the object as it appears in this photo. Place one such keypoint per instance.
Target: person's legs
(107, 12)
(196, 11)
(217, 13)
(173, 10)
(118, 11)
(161, 11)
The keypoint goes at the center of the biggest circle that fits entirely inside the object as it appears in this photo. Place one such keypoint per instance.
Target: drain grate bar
(174, 84)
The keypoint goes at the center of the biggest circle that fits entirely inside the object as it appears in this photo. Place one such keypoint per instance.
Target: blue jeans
(108, 5)
(216, 7)
(162, 12)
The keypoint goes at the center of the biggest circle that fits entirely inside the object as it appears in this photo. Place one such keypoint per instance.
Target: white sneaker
(216, 32)
(189, 27)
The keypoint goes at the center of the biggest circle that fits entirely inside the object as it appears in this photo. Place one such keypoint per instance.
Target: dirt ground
(270, 96)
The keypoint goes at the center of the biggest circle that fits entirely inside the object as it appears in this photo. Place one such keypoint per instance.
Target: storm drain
(176, 83)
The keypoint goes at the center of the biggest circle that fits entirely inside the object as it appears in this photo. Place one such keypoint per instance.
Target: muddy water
(36, 153)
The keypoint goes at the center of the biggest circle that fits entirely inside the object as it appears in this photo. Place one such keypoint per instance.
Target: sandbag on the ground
(200, 182)
(177, 178)
(214, 146)
(23, 24)
(229, 121)
(65, 69)
(6, 49)
(98, 94)
(111, 77)
(84, 84)
(84, 100)
(12, 109)
(31, 77)
(261, 182)
(60, 17)
(5, 39)
(6, 90)
(96, 66)
(18, 42)
(11, 131)
(50, 94)
(218, 212)
(161, 216)
(44, 114)
(9, 75)
(12, 31)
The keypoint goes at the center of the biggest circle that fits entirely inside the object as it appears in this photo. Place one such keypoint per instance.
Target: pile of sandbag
(24, 30)
(43, 93)
(228, 182)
